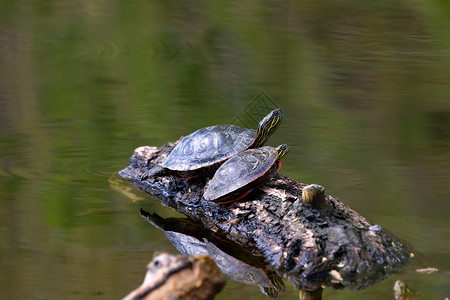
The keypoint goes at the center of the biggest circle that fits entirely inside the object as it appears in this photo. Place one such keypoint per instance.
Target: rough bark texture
(306, 245)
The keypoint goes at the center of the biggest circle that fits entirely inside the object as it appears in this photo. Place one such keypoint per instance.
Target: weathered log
(307, 244)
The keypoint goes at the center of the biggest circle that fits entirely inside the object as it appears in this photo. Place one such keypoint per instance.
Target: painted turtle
(244, 172)
(210, 146)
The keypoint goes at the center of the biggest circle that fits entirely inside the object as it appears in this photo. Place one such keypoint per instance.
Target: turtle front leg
(155, 171)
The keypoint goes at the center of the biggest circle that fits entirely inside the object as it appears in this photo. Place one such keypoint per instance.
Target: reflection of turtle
(213, 145)
(237, 262)
(269, 282)
(245, 171)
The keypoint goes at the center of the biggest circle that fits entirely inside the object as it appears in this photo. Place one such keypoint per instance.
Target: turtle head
(267, 126)
(282, 150)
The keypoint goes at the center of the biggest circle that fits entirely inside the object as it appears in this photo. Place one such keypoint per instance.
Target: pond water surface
(365, 87)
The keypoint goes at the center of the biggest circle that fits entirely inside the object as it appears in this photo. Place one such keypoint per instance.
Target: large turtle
(211, 146)
(244, 172)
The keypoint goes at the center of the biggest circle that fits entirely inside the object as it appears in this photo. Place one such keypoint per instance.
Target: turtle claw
(144, 176)
(155, 171)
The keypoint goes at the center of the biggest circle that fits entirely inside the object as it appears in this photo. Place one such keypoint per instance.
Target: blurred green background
(365, 87)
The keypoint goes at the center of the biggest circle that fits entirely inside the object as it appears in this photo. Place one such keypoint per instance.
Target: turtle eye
(156, 263)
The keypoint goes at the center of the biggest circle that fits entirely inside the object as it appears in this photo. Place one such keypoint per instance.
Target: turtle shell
(208, 146)
(242, 170)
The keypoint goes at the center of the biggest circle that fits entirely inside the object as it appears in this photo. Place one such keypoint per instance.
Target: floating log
(304, 235)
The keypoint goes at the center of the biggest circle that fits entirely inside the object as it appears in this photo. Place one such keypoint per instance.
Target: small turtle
(244, 172)
(211, 146)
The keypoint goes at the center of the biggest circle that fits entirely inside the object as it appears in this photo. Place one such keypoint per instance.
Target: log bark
(309, 246)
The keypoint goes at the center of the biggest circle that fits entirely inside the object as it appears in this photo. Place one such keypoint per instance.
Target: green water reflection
(364, 86)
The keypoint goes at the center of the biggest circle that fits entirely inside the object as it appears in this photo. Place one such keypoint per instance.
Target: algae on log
(300, 242)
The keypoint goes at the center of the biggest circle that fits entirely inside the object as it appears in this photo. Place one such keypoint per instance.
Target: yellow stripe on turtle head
(282, 151)
(267, 126)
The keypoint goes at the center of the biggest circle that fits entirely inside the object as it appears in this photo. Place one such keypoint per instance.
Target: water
(364, 87)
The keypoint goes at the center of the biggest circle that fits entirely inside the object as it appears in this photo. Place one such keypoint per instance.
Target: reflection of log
(235, 261)
(336, 245)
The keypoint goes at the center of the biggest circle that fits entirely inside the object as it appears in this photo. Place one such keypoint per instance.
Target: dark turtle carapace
(244, 172)
(211, 146)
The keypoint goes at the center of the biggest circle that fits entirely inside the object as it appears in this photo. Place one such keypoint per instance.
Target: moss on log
(309, 246)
